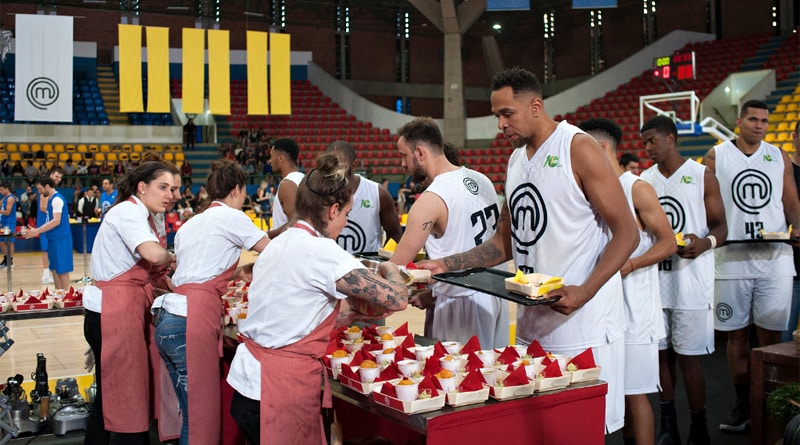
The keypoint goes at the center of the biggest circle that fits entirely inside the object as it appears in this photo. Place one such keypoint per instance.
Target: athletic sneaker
(47, 277)
(4, 263)
(740, 418)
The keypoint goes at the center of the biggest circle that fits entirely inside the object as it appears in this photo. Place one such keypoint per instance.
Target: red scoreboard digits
(679, 66)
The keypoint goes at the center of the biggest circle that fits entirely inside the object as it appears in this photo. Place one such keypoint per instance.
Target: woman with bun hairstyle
(117, 307)
(188, 330)
(294, 300)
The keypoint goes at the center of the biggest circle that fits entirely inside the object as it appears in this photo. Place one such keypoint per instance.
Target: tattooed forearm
(364, 285)
(484, 255)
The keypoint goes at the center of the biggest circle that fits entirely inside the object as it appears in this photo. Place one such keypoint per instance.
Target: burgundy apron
(203, 352)
(127, 349)
(290, 379)
(158, 279)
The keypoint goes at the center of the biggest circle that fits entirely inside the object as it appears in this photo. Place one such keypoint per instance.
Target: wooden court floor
(61, 338)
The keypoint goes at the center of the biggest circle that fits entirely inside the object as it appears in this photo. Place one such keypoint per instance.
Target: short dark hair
(288, 146)
(44, 181)
(753, 103)
(604, 126)
(451, 153)
(344, 148)
(662, 124)
(225, 176)
(627, 158)
(519, 79)
(5, 185)
(423, 129)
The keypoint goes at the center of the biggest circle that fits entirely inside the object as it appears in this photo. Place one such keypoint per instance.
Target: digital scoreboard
(679, 66)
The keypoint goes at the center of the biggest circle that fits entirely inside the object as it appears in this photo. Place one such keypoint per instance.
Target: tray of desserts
(492, 282)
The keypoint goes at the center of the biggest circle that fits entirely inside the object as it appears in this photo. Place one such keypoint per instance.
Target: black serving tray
(761, 241)
(489, 281)
(370, 256)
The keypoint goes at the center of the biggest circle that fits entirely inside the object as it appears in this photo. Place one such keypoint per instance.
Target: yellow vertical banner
(219, 72)
(130, 69)
(280, 73)
(193, 70)
(157, 69)
(257, 99)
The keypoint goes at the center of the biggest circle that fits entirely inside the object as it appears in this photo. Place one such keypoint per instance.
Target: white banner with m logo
(43, 68)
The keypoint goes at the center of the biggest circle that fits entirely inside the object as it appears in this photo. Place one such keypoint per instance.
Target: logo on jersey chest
(751, 190)
(352, 238)
(687, 180)
(471, 185)
(528, 216)
(675, 213)
(366, 204)
(551, 161)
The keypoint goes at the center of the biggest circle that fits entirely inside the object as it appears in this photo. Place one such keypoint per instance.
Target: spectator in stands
(88, 205)
(248, 167)
(186, 173)
(93, 170)
(42, 170)
(630, 163)
(119, 169)
(31, 172)
(69, 172)
(105, 168)
(25, 204)
(17, 169)
(5, 168)
(188, 196)
(202, 193)
(77, 195)
(82, 170)
(189, 134)
(33, 199)
(263, 199)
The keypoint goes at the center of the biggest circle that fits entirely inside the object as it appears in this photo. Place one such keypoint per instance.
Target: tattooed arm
(494, 251)
(387, 290)
(427, 217)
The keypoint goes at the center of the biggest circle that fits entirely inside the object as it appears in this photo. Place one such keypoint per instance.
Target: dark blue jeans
(170, 339)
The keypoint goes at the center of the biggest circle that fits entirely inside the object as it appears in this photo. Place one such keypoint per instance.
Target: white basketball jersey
(556, 231)
(472, 215)
(685, 283)
(752, 190)
(279, 217)
(363, 230)
(643, 315)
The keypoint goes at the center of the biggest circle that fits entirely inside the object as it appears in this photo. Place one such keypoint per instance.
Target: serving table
(569, 416)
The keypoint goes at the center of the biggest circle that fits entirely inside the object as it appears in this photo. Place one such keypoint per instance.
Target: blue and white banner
(593, 4)
(43, 68)
(508, 5)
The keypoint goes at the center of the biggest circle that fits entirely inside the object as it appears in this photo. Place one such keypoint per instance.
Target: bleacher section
(88, 107)
(316, 121)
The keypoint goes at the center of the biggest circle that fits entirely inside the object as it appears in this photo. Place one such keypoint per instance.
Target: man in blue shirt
(108, 197)
(8, 219)
(59, 235)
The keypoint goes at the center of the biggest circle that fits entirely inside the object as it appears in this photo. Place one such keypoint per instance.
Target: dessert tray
(492, 282)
